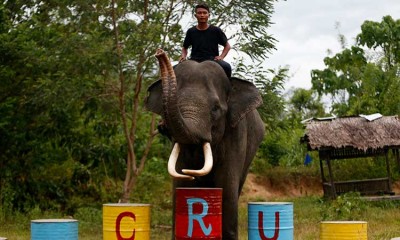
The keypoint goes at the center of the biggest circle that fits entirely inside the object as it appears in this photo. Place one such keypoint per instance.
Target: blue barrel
(270, 220)
(50, 229)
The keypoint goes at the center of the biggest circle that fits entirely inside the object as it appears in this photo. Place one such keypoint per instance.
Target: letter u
(261, 226)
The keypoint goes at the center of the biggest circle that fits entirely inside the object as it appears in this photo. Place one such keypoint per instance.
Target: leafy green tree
(270, 82)
(361, 82)
(50, 79)
(281, 146)
(74, 77)
(385, 36)
(249, 21)
(306, 104)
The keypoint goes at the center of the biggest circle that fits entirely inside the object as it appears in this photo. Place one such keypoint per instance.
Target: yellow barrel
(126, 221)
(343, 230)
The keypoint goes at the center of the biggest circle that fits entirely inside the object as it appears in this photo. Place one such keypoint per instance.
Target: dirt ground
(263, 188)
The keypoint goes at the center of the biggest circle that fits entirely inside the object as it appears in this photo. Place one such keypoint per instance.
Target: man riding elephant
(210, 117)
(214, 126)
(204, 40)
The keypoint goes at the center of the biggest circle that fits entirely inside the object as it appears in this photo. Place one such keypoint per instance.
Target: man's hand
(182, 58)
(183, 55)
(217, 58)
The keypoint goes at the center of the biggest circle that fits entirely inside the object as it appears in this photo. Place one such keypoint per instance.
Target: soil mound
(266, 188)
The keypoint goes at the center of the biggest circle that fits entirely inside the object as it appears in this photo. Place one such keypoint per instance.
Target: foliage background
(73, 130)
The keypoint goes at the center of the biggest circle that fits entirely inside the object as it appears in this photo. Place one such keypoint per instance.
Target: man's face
(202, 15)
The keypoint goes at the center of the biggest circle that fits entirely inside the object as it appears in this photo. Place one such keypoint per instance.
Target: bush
(346, 207)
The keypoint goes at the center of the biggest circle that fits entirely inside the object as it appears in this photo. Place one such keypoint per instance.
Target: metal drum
(49, 229)
(270, 220)
(126, 221)
(343, 230)
(198, 213)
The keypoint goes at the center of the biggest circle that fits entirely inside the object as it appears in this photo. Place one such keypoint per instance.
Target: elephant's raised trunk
(173, 118)
(172, 115)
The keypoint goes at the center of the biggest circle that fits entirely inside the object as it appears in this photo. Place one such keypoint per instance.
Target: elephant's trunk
(172, 114)
(174, 118)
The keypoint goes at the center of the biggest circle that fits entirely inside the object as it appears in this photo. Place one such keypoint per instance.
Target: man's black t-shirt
(204, 42)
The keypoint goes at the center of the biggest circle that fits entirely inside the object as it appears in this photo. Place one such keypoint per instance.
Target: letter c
(118, 225)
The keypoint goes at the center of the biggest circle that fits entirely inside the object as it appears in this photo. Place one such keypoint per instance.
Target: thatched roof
(353, 132)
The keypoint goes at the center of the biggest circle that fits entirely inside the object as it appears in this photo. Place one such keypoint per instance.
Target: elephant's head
(198, 104)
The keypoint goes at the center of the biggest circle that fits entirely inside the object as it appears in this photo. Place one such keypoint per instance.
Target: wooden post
(397, 157)
(388, 172)
(328, 160)
(322, 170)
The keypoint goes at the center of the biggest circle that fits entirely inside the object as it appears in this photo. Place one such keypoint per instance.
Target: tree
(306, 104)
(76, 72)
(51, 66)
(358, 83)
(384, 35)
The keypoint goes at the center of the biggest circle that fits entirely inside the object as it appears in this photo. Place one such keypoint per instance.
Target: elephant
(214, 126)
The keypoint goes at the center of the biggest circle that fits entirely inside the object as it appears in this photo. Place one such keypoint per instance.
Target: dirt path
(264, 189)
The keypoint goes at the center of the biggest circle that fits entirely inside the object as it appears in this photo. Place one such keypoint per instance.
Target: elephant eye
(215, 108)
(215, 111)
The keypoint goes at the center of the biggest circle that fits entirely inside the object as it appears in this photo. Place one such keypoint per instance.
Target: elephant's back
(191, 67)
(205, 75)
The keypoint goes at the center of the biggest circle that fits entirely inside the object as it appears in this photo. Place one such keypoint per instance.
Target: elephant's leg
(228, 176)
(230, 215)
(230, 185)
(234, 157)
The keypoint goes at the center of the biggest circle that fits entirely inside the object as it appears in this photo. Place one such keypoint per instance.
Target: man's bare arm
(183, 55)
(224, 52)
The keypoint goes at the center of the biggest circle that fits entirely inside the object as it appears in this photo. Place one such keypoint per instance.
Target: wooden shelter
(354, 137)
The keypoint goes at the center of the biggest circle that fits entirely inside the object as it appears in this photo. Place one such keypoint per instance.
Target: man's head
(203, 6)
(202, 12)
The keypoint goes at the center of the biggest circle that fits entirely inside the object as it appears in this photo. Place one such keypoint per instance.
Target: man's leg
(226, 66)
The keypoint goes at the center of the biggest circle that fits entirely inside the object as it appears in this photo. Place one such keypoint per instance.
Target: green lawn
(383, 219)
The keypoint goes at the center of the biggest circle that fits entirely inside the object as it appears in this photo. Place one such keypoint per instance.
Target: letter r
(198, 217)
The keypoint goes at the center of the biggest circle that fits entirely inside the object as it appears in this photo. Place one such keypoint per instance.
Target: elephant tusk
(172, 164)
(208, 163)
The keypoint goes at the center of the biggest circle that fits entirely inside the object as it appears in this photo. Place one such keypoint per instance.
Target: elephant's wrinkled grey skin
(208, 107)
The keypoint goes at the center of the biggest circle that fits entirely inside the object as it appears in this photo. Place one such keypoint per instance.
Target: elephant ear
(153, 101)
(244, 98)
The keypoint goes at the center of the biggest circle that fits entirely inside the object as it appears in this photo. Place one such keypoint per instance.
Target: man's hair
(201, 5)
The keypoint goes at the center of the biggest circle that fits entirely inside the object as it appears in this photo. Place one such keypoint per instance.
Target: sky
(306, 29)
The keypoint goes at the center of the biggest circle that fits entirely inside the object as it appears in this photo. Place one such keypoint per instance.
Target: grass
(383, 218)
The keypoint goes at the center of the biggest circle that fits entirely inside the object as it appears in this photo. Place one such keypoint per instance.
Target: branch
(131, 161)
(139, 79)
(152, 134)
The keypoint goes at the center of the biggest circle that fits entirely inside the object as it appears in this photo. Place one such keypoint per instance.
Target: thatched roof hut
(353, 137)
(353, 132)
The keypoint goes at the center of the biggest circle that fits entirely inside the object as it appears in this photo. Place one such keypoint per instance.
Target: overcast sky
(306, 29)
